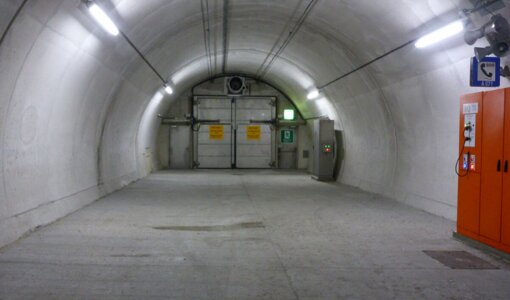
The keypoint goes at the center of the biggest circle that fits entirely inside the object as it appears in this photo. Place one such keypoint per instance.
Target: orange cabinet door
(505, 214)
(468, 206)
(492, 164)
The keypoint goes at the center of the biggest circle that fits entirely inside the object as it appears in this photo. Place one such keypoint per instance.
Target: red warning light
(327, 148)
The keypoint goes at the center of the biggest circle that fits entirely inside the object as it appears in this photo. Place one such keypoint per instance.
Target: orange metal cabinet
(484, 193)
(492, 164)
(505, 213)
(468, 211)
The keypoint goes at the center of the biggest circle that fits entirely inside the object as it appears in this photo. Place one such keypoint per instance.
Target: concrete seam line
(280, 38)
(51, 202)
(290, 37)
(207, 35)
(225, 34)
(11, 22)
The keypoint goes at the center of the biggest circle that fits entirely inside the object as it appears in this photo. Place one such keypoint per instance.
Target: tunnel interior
(171, 155)
(79, 108)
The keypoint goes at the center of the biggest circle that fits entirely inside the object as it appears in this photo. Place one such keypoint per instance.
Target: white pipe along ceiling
(78, 106)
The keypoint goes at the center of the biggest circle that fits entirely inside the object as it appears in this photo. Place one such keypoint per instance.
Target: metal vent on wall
(235, 85)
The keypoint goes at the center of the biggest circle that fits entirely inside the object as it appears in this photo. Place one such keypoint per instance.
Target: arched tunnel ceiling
(335, 37)
(382, 109)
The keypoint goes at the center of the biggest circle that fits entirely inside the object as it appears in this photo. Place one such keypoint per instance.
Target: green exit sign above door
(287, 136)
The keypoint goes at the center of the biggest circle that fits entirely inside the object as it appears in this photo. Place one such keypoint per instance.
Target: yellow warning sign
(253, 133)
(216, 132)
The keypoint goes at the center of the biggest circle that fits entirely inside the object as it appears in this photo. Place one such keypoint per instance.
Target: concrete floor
(243, 235)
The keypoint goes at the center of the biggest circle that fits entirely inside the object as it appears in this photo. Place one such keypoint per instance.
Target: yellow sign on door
(216, 132)
(253, 133)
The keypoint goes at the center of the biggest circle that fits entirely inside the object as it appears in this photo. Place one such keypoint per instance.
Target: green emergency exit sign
(287, 136)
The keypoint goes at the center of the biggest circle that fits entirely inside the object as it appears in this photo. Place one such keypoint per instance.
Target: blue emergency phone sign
(486, 72)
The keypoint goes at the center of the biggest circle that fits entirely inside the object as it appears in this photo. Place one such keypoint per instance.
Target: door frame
(234, 125)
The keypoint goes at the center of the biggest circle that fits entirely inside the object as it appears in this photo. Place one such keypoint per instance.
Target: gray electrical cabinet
(323, 150)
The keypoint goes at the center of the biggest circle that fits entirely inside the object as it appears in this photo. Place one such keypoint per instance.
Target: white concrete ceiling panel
(57, 80)
(118, 158)
(171, 56)
(370, 141)
(24, 128)
(427, 131)
(21, 39)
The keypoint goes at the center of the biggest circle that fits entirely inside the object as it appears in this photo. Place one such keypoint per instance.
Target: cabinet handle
(499, 166)
(506, 166)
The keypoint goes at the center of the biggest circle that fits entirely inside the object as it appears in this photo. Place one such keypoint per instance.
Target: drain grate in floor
(460, 260)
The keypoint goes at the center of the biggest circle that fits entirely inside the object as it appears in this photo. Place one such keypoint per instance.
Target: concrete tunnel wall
(78, 108)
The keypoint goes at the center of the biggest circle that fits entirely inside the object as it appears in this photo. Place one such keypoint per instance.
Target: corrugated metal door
(214, 139)
(254, 133)
(241, 136)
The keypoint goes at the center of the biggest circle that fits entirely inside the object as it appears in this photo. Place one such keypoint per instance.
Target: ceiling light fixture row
(109, 26)
(450, 30)
(427, 40)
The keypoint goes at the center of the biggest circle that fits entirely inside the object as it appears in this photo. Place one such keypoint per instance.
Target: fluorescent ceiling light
(168, 89)
(313, 94)
(102, 18)
(440, 34)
